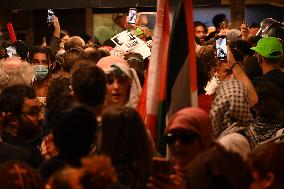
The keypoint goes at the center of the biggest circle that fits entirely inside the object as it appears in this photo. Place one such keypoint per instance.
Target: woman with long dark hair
(125, 140)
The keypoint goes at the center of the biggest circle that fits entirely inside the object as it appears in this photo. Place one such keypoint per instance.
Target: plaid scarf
(230, 106)
(262, 129)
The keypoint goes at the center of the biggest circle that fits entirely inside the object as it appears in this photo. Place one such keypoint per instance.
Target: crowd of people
(68, 117)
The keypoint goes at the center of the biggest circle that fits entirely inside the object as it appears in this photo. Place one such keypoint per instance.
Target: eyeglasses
(185, 138)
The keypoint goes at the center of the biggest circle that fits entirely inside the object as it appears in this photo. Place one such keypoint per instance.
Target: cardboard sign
(128, 42)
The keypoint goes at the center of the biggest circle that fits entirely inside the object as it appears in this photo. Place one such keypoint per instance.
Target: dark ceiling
(44, 4)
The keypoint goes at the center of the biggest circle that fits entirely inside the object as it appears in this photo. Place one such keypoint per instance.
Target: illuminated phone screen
(132, 15)
(221, 48)
(50, 16)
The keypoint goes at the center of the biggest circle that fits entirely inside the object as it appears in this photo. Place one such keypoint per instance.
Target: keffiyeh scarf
(262, 129)
(230, 106)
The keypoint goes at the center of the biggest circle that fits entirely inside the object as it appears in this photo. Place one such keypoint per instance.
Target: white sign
(128, 42)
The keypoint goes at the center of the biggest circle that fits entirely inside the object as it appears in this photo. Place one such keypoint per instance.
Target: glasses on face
(185, 138)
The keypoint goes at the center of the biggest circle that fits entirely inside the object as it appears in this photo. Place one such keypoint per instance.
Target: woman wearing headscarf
(123, 86)
(230, 115)
(188, 134)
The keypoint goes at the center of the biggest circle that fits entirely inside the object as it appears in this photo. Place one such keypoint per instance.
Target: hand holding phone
(161, 165)
(168, 179)
(50, 16)
(132, 15)
(221, 47)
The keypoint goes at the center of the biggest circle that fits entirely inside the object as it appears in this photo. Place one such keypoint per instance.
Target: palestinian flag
(171, 82)
(181, 89)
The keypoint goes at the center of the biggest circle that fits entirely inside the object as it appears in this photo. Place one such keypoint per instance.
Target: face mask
(41, 72)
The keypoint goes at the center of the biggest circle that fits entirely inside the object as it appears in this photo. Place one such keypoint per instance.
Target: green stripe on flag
(161, 145)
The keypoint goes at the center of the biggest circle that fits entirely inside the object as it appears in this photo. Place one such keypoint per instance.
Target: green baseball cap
(269, 47)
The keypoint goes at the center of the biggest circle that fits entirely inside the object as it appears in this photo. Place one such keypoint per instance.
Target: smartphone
(161, 165)
(50, 16)
(221, 47)
(132, 15)
(11, 51)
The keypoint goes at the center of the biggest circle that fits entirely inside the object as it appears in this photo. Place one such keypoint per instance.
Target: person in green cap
(269, 50)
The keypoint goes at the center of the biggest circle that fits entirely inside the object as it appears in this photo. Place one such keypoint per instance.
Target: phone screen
(132, 15)
(50, 15)
(221, 47)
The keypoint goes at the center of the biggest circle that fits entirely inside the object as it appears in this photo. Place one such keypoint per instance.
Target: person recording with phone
(121, 20)
(59, 36)
(55, 39)
(132, 16)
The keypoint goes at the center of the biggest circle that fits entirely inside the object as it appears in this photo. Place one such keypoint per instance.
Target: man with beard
(43, 60)
(200, 31)
(21, 120)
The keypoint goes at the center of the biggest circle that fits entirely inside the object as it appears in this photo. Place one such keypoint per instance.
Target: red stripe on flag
(164, 46)
(152, 125)
(141, 105)
(191, 50)
(154, 90)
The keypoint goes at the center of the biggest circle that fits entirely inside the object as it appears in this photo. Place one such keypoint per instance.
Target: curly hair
(45, 50)
(59, 95)
(15, 71)
(12, 98)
